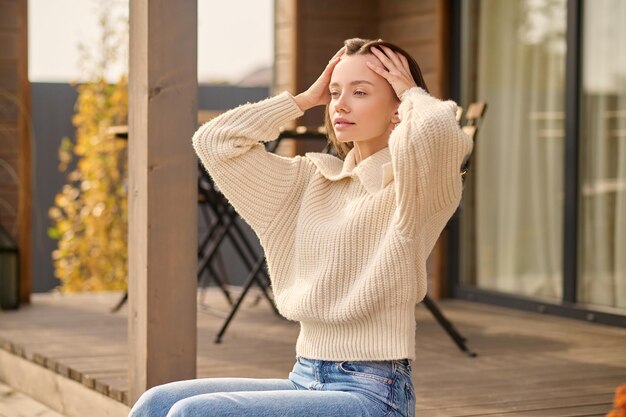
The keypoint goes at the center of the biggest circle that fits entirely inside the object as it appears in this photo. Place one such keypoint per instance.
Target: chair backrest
(474, 115)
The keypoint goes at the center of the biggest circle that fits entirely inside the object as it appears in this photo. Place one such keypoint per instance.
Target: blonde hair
(358, 46)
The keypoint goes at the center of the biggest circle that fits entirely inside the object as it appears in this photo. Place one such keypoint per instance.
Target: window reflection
(602, 221)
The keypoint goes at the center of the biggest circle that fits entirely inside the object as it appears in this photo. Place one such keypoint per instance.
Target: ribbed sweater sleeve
(427, 149)
(256, 182)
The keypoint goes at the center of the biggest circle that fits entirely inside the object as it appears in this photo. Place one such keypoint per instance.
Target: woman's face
(362, 103)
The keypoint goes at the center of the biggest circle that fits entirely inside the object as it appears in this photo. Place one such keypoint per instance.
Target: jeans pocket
(377, 371)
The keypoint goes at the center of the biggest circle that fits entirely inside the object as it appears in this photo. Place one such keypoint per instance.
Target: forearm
(304, 102)
(234, 132)
(256, 182)
(427, 149)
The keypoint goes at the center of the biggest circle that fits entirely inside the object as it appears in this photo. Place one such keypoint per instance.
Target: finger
(379, 70)
(382, 58)
(394, 66)
(331, 65)
(405, 64)
(392, 55)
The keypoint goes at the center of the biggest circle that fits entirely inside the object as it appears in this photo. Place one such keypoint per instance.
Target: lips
(340, 122)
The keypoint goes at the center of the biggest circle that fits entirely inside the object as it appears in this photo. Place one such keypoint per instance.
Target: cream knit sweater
(346, 244)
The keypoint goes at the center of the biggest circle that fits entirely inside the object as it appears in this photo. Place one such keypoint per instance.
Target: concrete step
(15, 404)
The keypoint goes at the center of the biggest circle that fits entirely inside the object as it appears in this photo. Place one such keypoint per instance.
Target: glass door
(514, 240)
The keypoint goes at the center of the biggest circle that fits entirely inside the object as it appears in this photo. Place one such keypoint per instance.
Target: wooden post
(162, 196)
(25, 192)
(15, 136)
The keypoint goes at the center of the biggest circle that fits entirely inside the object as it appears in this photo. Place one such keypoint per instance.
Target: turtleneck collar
(374, 172)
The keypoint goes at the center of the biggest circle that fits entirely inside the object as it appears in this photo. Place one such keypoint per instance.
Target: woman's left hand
(395, 69)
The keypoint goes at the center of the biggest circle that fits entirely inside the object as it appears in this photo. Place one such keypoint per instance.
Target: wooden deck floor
(528, 364)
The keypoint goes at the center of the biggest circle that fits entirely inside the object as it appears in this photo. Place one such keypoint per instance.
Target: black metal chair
(223, 223)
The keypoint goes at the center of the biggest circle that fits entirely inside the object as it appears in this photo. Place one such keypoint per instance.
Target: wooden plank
(24, 238)
(409, 28)
(9, 171)
(347, 9)
(9, 218)
(8, 11)
(424, 53)
(284, 41)
(331, 32)
(285, 54)
(284, 11)
(286, 46)
(8, 77)
(433, 81)
(162, 193)
(443, 40)
(283, 77)
(9, 49)
(9, 141)
(390, 9)
(9, 110)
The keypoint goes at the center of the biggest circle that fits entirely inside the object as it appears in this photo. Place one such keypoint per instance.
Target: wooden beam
(24, 237)
(162, 196)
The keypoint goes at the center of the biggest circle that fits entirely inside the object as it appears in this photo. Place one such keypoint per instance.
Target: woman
(346, 238)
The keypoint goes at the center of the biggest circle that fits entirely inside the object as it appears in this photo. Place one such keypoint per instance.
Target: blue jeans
(315, 388)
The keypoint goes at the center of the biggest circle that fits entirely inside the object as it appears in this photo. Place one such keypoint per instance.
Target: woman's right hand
(318, 94)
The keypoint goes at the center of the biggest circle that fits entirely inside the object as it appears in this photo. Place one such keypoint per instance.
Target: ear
(395, 118)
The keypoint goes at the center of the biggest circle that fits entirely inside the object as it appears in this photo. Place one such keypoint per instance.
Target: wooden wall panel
(425, 54)
(8, 79)
(394, 8)
(9, 141)
(409, 30)
(9, 47)
(8, 13)
(9, 202)
(15, 147)
(9, 168)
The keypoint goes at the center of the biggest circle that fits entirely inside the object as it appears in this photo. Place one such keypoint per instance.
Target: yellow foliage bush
(90, 214)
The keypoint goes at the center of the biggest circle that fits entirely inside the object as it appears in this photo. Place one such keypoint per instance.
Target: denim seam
(392, 400)
(408, 394)
(364, 375)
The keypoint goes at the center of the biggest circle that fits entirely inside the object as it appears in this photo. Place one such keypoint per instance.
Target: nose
(341, 104)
